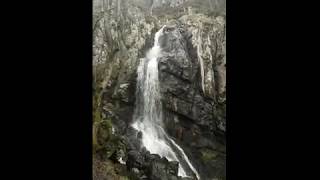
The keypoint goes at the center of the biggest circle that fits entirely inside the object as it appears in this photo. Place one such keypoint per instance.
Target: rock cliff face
(192, 74)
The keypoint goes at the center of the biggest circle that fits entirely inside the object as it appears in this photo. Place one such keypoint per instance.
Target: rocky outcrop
(191, 92)
(192, 73)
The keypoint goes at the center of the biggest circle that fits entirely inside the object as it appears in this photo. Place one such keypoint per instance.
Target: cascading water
(148, 112)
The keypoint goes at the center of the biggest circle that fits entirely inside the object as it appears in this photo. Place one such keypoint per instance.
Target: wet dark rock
(139, 136)
(133, 143)
(184, 99)
(152, 165)
(173, 167)
(162, 169)
(135, 160)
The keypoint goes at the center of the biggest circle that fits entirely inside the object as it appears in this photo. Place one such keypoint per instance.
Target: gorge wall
(192, 79)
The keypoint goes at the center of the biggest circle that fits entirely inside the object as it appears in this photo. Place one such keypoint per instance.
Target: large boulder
(152, 166)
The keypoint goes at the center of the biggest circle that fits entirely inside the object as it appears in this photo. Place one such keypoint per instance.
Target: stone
(135, 170)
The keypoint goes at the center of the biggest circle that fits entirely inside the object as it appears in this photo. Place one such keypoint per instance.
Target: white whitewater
(199, 50)
(148, 111)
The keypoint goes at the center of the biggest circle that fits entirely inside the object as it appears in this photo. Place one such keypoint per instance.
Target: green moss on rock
(108, 170)
(208, 155)
(102, 133)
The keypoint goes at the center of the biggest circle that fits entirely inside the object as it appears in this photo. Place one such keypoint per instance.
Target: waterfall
(148, 112)
(199, 52)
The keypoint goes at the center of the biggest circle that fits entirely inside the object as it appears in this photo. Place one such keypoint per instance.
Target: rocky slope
(192, 74)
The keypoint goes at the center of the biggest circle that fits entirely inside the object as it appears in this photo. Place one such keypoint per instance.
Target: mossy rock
(102, 133)
(208, 155)
(107, 170)
(116, 147)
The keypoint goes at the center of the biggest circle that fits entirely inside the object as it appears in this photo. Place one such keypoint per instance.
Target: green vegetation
(208, 155)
